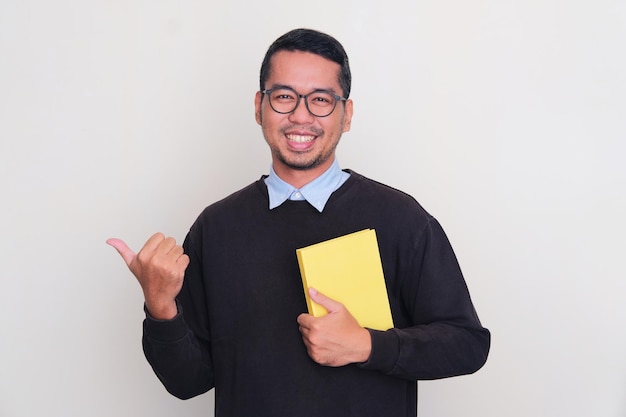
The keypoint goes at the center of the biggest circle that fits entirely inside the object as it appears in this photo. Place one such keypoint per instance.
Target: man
(227, 309)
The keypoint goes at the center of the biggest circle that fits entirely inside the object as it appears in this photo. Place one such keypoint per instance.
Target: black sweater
(237, 330)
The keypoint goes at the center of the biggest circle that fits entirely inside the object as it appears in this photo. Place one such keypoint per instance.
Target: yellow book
(348, 269)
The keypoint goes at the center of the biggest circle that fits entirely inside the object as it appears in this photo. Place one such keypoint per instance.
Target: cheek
(340, 125)
(271, 121)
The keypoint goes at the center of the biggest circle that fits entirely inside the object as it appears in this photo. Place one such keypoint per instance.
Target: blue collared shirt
(316, 193)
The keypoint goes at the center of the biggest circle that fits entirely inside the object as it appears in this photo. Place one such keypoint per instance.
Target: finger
(127, 254)
(304, 320)
(153, 243)
(167, 244)
(326, 302)
(183, 261)
(176, 251)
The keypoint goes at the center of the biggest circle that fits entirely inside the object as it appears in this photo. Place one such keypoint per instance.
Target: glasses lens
(321, 103)
(283, 100)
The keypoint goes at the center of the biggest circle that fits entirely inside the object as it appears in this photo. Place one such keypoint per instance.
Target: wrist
(162, 311)
(364, 347)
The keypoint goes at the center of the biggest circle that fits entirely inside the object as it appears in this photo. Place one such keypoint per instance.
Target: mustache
(307, 129)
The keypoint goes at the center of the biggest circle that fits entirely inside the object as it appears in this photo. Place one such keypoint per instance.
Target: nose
(301, 114)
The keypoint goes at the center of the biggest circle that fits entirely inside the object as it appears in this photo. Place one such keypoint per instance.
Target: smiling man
(302, 131)
(226, 310)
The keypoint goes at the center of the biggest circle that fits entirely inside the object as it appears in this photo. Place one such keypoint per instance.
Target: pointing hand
(160, 268)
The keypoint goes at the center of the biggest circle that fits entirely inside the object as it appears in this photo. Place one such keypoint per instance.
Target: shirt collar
(316, 193)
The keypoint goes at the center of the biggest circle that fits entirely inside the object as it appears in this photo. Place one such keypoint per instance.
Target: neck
(298, 178)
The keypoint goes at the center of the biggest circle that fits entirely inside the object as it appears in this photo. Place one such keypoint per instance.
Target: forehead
(303, 71)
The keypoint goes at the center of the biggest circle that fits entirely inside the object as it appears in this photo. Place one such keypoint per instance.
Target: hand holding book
(335, 339)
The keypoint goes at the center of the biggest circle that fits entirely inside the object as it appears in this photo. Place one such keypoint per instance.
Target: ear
(347, 116)
(257, 106)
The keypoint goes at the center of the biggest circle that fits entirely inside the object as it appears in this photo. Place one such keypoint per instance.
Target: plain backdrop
(505, 119)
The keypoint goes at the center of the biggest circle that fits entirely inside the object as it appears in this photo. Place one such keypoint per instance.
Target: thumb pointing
(127, 254)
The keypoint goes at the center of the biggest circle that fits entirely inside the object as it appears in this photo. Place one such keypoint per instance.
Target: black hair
(308, 40)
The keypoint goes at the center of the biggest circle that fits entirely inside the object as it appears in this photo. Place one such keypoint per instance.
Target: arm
(180, 361)
(437, 332)
(177, 357)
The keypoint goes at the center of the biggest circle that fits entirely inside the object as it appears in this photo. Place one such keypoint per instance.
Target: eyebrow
(274, 86)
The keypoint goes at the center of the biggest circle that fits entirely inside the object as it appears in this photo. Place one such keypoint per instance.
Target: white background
(505, 119)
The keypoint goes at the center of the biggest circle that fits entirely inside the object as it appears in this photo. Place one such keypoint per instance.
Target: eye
(322, 99)
(283, 95)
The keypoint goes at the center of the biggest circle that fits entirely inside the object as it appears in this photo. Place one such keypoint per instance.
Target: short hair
(308, 40)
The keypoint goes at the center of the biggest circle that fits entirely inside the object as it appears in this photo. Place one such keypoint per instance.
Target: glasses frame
(305, 97)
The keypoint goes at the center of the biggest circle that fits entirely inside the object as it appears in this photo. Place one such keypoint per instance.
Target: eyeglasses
(319, 103)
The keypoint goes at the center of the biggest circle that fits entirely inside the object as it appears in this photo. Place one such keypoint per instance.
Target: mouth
(300, 138)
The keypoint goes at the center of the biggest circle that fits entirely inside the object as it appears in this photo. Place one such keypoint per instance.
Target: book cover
(348, 269)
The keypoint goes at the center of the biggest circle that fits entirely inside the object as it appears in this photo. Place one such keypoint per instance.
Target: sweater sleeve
(439, 334)
(178, 352)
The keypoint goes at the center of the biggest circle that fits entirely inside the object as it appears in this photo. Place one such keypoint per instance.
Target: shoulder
(250, 199)
(396, 215)
(376, 193)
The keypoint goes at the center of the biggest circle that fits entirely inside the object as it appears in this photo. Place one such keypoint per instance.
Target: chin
(302, 166)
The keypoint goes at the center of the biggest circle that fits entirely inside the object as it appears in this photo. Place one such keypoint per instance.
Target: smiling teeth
(300, 138)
